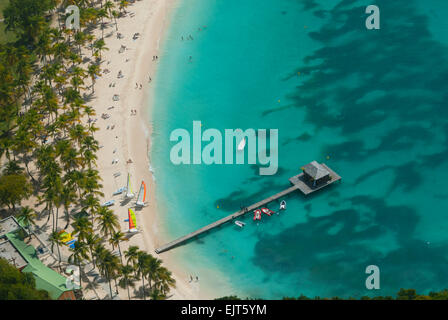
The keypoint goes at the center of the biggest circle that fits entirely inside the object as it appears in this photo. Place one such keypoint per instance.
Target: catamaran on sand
(141, 195)
(129, 194)
(132, 221)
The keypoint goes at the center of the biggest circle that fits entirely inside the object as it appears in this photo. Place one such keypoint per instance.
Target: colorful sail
(132, 220)
(141, 194)
(129, 193)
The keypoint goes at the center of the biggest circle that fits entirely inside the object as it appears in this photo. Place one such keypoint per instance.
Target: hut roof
(315, 170)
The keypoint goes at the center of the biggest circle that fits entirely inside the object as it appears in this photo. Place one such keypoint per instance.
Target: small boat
(129, 194)
(283, 205)
(267, 211)
(119, 191)
(242, 144)
(257, 214)
(141, 195)
(108, 203)
(239, 223)
(132, 221)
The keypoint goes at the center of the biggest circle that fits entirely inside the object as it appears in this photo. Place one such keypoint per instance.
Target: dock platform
(298, 183)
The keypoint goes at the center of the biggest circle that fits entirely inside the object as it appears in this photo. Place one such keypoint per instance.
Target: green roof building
(26, 259)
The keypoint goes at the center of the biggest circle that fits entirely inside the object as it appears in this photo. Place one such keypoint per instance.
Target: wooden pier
(298, 183)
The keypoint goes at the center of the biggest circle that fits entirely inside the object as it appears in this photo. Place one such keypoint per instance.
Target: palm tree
(142, 268)
(55, 239)
(78, 256)
(152, 269)
(94, 71)
(115, 15)
(115, 240)
(68, 196)
(164, 281)
(131, 256)
(27, 218)
(127, 278)
(92, 240)
(109, 267)
(100, 46)
(107, 221)
(12, 167)
(156, 294)
(82, 227)
(92, 204)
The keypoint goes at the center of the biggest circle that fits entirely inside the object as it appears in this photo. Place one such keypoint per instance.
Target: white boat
(129, 194)
(242, 144)
(283, 205)
(119, 191)
(108, 203)
(240, 223)
(141, 195)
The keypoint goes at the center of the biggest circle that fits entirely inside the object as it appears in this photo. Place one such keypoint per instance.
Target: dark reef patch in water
(388, 84)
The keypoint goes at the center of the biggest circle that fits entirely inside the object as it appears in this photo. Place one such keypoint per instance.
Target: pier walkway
(298, 183)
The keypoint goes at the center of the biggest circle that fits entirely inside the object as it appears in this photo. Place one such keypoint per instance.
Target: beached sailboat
(141, 195)
(132, 221)
(129, 194)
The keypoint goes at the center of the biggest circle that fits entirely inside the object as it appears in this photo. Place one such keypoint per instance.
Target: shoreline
(151, 20)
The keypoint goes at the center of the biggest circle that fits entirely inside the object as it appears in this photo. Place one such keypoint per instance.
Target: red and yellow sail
(132, 220)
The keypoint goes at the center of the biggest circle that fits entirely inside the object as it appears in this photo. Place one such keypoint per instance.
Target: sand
(131, 134)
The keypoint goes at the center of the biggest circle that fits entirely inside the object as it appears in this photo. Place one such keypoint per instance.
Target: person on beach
(149, 79)
(191, 278)
(140, 86)
(197, 278)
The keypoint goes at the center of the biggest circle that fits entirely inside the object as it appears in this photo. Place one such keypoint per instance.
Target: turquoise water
(370, 104)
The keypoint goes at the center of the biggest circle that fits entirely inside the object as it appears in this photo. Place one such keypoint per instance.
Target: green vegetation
(4, 36)
(403, 294)
(47, 143)
(15, 285)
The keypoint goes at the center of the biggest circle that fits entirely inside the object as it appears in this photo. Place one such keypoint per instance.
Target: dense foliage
(15, 285)
(47, 144)
(403, 294)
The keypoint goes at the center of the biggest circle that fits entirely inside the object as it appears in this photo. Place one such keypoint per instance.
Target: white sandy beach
(131, 134)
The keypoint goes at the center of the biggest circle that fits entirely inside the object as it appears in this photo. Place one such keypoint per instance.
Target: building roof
(8, 225)
(46, 278)
(315, 170)
(8, 252)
